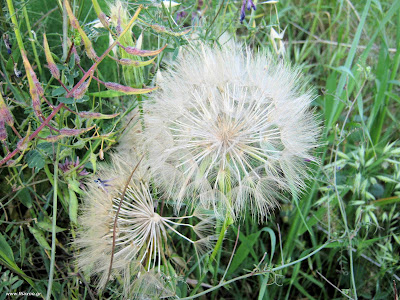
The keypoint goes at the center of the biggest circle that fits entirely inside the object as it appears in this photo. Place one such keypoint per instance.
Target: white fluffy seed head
(230, 129)
(142, 234)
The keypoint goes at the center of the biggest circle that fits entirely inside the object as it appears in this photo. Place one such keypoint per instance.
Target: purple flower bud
(251, 4)
(243, 11)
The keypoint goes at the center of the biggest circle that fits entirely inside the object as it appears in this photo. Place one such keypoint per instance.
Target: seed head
(143, 237)
(230, 129)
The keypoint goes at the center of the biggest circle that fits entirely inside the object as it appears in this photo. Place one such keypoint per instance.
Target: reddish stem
(34, 134)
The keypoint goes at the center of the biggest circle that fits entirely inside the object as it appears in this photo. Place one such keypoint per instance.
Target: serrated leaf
(35, 159)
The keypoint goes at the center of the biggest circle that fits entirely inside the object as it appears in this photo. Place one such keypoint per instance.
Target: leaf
(135, 63)
(74, 185)
(73, 207)
(35, 159)
(67, 132)
(35, 89)
(247, 246)
(107, 94)
(50, 61)
(39, 237)
(58, 91)
(22, 249)
(94, 115)
(313, 220)
(127, 90)
(46, 226)
(5, 249)
(143, 53)
(343, 69)
(7, 259)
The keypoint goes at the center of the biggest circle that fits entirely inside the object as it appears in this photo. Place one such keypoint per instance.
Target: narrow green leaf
(46, 226)
(39, 237)
(73, 207)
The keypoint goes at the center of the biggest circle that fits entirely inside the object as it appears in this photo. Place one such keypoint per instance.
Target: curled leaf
(143, 53)
(35, 89)
(127, 89)
(94, 115)
(135, 63)
(50, 61)
(75, 24)
(67, 132)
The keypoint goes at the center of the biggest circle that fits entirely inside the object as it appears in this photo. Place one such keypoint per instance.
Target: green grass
(339, 239)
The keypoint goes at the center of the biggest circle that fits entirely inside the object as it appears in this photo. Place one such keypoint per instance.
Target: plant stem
(224, 186)
(224, 228)
(16, 26)
(34, 134)
(53, 229)
(256, 274)
(94, 66)
(28, 26)
(65, 33)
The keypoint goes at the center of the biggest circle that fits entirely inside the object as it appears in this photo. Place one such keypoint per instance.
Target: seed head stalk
(226, 187)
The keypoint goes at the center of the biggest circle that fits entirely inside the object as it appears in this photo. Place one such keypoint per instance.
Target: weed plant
(76, 74)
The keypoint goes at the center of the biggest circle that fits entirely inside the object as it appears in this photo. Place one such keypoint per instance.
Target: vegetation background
(339, 239)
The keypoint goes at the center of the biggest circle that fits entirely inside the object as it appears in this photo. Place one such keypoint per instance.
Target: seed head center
(156, 218)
